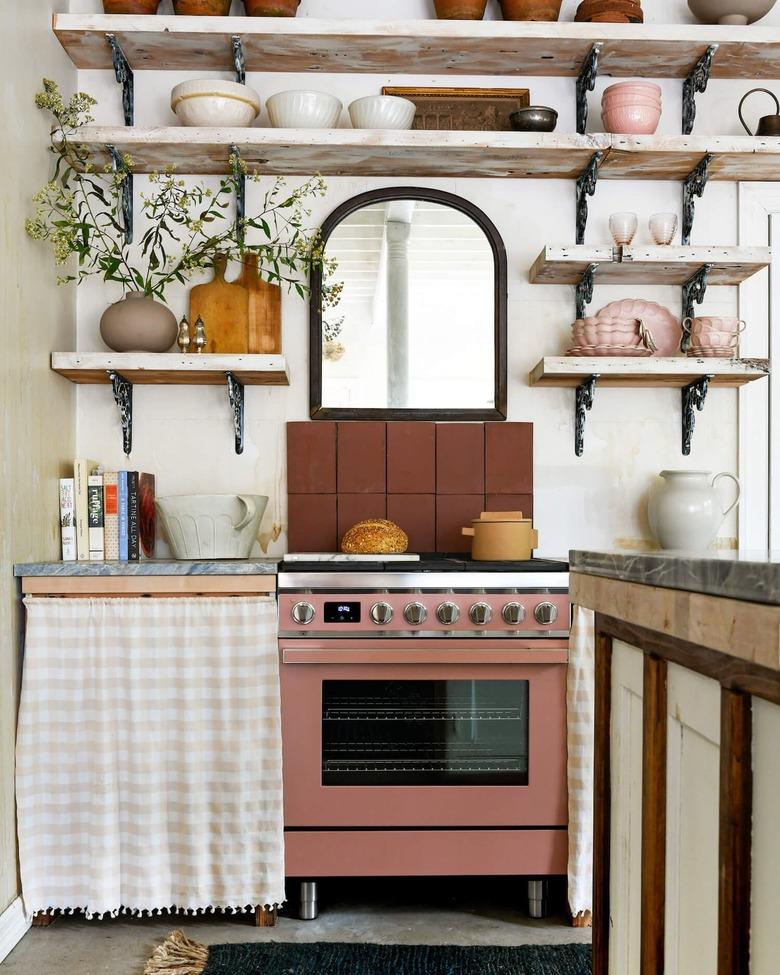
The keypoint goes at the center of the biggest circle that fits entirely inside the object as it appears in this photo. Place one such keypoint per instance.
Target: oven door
(387, 734)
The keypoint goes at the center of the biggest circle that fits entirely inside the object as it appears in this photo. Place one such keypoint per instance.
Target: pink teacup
(704, 324)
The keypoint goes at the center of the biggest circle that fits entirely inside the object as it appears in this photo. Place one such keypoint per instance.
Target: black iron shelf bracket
(586, 82)
(696, 82)
(583, 402)
(123, 396)
(124, 77)
(239, 61)
(584, 290)
(692, 187)
(693, 290)
(586, 186)
(239, 177)
(118, 166)
(693, 396)
(235, 390)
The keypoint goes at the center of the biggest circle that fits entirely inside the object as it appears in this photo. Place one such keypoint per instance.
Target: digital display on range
(342, 612)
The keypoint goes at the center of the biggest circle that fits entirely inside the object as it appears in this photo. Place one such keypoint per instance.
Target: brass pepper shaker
(183, 338)
(200, 335)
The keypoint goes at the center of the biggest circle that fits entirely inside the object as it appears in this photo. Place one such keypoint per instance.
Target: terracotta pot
(460, 9)
(531, 9)
(272, 8)
(138, 324)
(130, 6)
(201, 8)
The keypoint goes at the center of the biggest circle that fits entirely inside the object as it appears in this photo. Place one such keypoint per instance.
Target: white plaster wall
(37, 408)
(183, 434)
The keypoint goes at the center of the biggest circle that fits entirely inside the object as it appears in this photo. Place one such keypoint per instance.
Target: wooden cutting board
(265, 310)
(224, 308)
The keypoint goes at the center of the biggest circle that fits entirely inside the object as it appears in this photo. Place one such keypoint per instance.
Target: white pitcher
(685, 511)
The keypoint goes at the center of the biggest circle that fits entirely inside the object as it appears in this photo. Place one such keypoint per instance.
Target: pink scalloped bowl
(659, 321)
(634, 87)
(599, 335)
(716, 340)
(631, 120)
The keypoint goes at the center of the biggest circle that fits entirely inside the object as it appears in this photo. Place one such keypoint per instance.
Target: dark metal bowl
(535, 118)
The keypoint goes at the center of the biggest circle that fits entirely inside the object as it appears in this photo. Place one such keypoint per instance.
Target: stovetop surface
(429, 562)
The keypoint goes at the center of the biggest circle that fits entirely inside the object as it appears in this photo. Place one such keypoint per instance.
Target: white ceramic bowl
(382, 112)
(211, 526)
(730, 11)
(304, 110)
(210, 103)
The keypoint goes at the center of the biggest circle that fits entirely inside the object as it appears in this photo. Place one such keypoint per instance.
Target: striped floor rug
(180, 956)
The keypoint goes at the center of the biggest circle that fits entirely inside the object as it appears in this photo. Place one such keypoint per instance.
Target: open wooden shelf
(170, 368)
(352, 152)
(417, 46)
(647, 265)
(677, 371)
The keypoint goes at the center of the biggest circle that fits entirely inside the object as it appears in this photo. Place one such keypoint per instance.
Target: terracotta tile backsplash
(430, 478)
(460, 458)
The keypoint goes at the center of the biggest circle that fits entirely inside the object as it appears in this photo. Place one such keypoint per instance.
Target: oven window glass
(439, 732)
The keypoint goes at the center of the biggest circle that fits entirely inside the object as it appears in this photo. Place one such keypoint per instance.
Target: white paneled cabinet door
(693, 775)
(625, 894)
(765, 906)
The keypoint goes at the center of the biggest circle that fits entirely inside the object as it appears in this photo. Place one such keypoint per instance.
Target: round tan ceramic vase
(201, 8)
(531, 9)
(460, 9)
(272, 8)
(130, 6)
(138, 324)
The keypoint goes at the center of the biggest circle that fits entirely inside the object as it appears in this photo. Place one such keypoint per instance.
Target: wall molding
(759, 512)
(14, 925)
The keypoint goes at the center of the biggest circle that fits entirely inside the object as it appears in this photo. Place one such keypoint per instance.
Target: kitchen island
(687, 727)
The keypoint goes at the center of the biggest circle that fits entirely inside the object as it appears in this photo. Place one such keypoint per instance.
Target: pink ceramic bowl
(625, 332)
(646, 88)
(630, 100)
(715, 340)
(631, 120)
(704, 324)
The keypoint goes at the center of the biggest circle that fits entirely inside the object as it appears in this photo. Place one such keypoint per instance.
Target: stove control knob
(546, 613)
(303, 613)
(513, 614)
(415, 614)
(448, 613)
(381, 613)
(480, 614)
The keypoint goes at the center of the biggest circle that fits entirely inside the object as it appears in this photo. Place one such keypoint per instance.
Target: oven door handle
(486, 655)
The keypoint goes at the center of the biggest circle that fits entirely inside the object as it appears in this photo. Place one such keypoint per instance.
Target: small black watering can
(768, 125)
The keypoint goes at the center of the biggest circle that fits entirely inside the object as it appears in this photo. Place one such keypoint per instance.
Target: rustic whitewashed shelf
(518, 155)
(647, 265)
(676, 371)
(417, 46)
(145, 368)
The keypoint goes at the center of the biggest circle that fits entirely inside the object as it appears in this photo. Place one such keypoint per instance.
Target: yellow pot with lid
(502, 536)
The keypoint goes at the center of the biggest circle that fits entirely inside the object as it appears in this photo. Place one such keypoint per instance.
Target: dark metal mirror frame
(320, 412)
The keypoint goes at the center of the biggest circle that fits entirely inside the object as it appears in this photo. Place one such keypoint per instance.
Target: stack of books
(106, 515)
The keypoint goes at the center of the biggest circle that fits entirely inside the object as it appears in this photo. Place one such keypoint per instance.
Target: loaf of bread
(375, 537)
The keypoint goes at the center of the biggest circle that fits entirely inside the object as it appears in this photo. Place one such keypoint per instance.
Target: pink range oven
(424, 719)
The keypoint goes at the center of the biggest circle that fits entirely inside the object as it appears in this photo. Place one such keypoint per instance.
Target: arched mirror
(415, 327)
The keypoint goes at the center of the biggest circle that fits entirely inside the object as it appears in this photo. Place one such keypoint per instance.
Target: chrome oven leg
(309, 909)
(538, 898)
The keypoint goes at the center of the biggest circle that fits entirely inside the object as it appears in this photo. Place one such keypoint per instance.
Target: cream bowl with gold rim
(209, 103)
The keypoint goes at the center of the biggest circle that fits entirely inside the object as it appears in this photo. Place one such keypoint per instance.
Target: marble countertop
(750, 575)
(152, 567)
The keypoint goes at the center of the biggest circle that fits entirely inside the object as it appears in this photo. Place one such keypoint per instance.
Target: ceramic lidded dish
(382, 112)
(304, 110)
(209, 103)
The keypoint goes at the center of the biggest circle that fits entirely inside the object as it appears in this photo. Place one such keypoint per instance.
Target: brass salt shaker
(200, 335)
(183, 338)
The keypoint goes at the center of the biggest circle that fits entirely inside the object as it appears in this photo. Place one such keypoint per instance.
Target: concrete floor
(439, 912)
